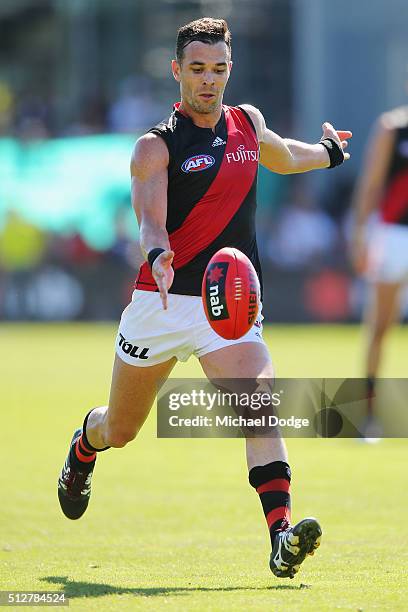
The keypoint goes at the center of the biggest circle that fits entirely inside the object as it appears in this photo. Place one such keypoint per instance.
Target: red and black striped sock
(83, 454)
(272, 483)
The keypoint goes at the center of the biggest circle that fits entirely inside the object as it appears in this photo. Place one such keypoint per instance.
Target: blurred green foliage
(68, 185)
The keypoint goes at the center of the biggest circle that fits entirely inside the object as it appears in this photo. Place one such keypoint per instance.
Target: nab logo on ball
(198, 163)
(230, 293)
(216, 302)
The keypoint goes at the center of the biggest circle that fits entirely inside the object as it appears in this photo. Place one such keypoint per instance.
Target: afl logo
(198, 163)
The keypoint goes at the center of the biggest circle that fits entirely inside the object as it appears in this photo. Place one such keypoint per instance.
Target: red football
(230, 293)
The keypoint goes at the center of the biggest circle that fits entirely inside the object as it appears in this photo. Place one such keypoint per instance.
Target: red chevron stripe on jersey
(212, 213)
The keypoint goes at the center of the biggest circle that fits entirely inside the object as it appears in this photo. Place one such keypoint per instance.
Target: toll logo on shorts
(196, 163)
(132, 349)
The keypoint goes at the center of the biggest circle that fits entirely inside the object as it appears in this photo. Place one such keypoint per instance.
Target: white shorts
(148, 334)
(388, 254)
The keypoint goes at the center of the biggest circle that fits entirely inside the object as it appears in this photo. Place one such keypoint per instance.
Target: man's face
(203, 75)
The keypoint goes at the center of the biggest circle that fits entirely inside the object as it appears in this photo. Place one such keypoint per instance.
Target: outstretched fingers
(161, 283)
(163, 275)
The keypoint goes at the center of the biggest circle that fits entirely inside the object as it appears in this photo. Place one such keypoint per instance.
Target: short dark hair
(206, 30)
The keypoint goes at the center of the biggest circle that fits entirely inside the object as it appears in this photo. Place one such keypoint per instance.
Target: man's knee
(119, 437)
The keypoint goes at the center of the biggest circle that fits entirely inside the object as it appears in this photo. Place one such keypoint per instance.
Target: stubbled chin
(206, 109)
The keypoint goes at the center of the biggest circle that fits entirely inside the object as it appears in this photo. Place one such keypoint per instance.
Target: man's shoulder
(150, 150)
(256, 118)
(248, 108)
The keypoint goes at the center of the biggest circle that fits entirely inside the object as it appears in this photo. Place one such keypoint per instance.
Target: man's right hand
(163, 274)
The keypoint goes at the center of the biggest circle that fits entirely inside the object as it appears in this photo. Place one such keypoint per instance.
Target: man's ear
(176, 69)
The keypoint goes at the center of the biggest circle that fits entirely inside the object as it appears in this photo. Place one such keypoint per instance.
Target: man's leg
(133, 390)
(381, 312)
(267, 459)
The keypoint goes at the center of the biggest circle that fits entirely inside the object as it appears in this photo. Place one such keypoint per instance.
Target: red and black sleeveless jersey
(212, 178)
(394, 204)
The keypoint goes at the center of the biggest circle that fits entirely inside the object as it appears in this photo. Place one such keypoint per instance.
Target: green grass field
(173, 524)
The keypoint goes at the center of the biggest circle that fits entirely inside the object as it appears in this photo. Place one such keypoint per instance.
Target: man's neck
(203, 120)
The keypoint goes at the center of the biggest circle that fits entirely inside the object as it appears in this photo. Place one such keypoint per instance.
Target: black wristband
(335, 152)
(153, 255)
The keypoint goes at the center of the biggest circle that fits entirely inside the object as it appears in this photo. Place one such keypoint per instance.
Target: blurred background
(80, 80)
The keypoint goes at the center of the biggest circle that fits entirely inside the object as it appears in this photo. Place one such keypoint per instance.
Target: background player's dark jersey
(211, 194)
(394, 205)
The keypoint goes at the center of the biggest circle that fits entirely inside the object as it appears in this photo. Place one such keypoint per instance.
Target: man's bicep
(274, 153)
(149, 180)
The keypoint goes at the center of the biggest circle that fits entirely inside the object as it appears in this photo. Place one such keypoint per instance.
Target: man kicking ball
(194, 182)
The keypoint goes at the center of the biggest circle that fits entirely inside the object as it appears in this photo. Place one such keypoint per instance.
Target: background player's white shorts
(388, 254)
(149, 335)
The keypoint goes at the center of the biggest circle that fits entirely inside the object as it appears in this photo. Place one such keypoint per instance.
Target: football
(230, 293)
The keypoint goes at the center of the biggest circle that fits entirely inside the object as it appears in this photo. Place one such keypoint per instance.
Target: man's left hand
(339, 136)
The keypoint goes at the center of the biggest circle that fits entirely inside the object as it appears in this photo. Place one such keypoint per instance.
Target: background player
(194, 182)
(382, 253)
